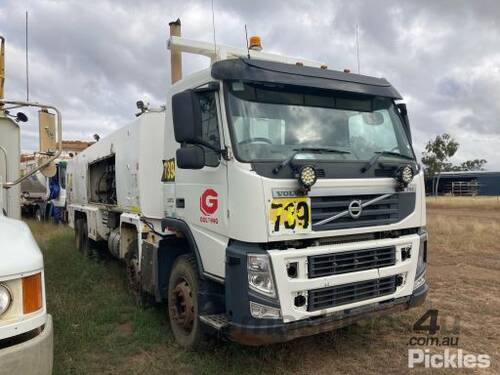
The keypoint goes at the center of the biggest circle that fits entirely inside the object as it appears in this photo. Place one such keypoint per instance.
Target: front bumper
(34, 356)
(281, 332)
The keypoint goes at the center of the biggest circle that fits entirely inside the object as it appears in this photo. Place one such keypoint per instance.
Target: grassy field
(99, 330)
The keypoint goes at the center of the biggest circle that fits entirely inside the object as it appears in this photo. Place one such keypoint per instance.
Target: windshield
(272, 123)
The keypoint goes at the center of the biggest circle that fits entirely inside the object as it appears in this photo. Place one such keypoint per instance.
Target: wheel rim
(182, 305)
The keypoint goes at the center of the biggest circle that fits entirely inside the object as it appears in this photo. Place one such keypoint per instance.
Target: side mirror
(186, 114)
(403, 111)
(190, 157)
(47, 131)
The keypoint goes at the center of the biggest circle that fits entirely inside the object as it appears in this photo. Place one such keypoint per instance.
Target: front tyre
(183, 307)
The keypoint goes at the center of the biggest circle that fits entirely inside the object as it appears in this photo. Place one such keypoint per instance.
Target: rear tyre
(183, 307)
(78, 234)
(134, 274)
(86, 241)
(82, 241)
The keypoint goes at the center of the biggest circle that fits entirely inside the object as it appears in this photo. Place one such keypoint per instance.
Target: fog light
(5, 299)
(307, 176)
(291, 270)
(259, 311)
(299, 300)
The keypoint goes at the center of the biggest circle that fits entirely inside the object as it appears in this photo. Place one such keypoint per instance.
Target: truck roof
(256, 70)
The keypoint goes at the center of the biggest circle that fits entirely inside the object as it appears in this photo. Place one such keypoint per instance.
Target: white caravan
(26, 333)
(270, 198)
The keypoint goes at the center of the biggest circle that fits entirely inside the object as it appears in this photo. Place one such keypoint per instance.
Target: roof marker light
(255, 43)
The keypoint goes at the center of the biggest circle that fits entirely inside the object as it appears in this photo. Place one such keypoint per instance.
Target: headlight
(260, 276)
(307, 176)
(419, 281)
(421, 263)
(422, 256)
(5, 299)
(404, 175)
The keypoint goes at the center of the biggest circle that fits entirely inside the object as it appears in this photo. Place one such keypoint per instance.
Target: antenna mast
(27, 63)
(213, 26)
(2, 65)
(357, 47)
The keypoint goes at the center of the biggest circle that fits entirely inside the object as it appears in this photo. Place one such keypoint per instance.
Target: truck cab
(26, 331)
(311, 201)
(289, 200)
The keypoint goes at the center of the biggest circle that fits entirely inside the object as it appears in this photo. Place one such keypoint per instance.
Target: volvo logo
(355, 209)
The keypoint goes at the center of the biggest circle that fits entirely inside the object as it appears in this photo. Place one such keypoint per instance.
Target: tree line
(437, 154)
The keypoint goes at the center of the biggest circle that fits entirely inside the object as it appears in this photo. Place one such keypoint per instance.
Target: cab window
(210, 127)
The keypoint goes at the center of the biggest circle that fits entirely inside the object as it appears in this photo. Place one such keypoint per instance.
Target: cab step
(217, 321)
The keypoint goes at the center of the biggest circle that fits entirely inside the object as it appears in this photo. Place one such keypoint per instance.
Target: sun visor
(254, 70)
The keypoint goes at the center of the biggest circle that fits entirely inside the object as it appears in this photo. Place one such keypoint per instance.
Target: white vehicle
(41, 195)
(26, 333)
(271, 198)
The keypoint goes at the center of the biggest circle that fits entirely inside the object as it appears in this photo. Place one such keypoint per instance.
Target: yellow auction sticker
(290, 215)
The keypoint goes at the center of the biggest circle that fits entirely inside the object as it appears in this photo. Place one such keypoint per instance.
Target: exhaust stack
(2, 65)
(175, 54)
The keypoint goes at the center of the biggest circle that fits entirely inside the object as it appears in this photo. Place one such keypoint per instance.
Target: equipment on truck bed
(43, 194)
(271, 198)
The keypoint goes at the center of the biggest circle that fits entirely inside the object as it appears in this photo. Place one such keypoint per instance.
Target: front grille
(350, 261)
(349, 293)
(386, 211)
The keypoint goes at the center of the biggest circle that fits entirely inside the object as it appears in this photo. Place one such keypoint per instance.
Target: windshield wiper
(297, 151)
(377, 156)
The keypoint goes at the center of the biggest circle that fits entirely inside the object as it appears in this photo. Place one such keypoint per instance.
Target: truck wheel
(78, 234)
(83, 242)
(183, 287)
(134, 274)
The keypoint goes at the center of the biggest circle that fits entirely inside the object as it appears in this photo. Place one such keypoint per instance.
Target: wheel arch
(181, 227)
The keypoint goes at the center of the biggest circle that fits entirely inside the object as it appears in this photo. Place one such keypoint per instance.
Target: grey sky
(95, 59)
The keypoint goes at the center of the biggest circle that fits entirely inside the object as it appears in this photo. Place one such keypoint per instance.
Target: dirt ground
(98, 329)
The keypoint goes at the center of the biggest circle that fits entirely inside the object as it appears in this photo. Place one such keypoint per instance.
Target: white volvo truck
(26, 333)
(270, 198)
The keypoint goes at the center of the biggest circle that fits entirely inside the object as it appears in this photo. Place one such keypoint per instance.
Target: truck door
(201, 195)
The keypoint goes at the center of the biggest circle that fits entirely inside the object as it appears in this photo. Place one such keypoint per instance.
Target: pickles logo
(209, 202)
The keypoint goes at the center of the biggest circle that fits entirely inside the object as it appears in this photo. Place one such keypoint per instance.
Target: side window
(210, 127)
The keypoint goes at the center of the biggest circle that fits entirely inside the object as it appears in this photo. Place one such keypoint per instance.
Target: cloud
(96, 59)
